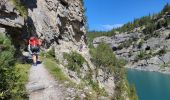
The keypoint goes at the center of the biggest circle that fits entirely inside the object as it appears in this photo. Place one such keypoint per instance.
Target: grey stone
(2, 30)
(9, 16)
(58, 19)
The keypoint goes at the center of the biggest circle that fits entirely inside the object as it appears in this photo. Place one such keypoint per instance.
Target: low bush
(141, 54)
(75, 61)
(12, 76)
(51, 53)
(7, 70)
(21, 8)
(140, 43)
(104, 58)
(97, 89)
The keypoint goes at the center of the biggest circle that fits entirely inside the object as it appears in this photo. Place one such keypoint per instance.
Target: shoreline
(165, 70)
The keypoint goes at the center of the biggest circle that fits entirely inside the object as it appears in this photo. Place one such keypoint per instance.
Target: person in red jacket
(34, 48)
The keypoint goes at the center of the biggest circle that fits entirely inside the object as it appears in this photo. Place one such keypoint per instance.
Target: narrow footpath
(42, 86)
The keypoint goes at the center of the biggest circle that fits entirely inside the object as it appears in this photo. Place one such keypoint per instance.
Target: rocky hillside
(51, 20)
(144, 43)
(60, 24)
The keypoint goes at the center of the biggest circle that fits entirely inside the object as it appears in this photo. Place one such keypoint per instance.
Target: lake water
(150, 85)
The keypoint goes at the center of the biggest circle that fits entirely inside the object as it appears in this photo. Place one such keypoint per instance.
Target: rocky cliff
(50, 20)
(143, 49)
(60, 24)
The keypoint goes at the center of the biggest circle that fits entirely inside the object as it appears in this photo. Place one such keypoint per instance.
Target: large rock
(9, 16)
(55, 20)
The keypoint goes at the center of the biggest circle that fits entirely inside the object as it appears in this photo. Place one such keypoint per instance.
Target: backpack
(34, 44)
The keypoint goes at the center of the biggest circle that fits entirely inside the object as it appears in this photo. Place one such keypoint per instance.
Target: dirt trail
(42, 86)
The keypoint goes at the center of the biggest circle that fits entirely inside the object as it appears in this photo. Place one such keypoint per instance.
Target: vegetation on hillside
(13, 76)
(147, 25)
(104, 58)
(53, 68)
(21, 8)
(75, 61)
(149, 22)
(93, 34)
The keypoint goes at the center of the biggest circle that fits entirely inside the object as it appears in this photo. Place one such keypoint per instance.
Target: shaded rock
(9, 16)
(2, 30)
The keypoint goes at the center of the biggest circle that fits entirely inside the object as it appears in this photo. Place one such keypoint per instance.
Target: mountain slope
(144, 43)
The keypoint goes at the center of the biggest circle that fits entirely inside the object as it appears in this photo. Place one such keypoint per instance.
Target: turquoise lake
(150, 85)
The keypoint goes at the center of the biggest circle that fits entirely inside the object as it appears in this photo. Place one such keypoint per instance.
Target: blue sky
(103, 15)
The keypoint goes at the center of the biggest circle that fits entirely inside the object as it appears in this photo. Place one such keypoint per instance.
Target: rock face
(55, 20)
(9, 16)
(51, 20)
(61, 25)
(150, 54)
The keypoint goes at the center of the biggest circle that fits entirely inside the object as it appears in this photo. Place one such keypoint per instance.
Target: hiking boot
(34, 64)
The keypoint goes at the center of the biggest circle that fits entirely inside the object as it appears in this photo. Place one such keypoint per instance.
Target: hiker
(34, 48)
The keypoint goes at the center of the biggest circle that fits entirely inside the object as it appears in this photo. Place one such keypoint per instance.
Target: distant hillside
(143, 43)
(147, 25)
(150, 22)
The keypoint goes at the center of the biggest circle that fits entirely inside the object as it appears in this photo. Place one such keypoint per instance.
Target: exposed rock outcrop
(151, 54)
(57, 20)
(61, 25)
(9, 16)
(49, 19)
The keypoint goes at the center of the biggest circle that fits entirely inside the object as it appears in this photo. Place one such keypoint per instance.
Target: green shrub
(127, 43)
(13, 76)
(165, 65)
(120, 46)
(7, 69)
(21, 8)
(161, 23)
(168, 21)
(141, 54)
(132, 93)
(75, 61)
(161, 52)
(103, 57)
(166, 8)
(97, 89)
(140, 43)
(51, 53)
(150, 28)
(19, 90)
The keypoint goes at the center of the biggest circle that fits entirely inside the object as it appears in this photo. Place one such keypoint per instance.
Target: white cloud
(109, 27)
